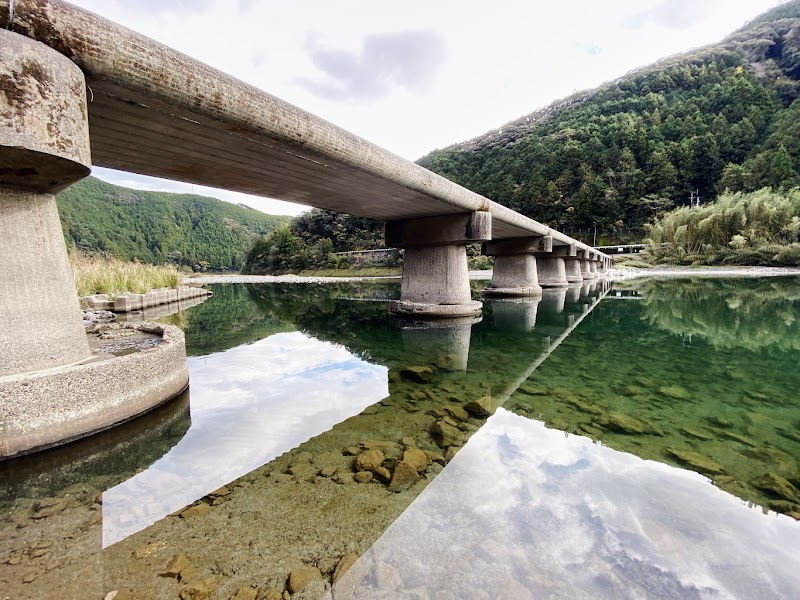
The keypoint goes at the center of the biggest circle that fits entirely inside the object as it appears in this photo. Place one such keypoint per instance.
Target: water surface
(640, 442)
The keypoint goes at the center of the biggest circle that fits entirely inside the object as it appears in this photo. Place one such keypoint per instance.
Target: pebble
(301, 578)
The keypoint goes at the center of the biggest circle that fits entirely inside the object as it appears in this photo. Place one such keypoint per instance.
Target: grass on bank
(103, 274)
(760, 228)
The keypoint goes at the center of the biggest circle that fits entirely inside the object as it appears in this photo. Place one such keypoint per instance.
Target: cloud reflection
(248, 405)
(528, 512)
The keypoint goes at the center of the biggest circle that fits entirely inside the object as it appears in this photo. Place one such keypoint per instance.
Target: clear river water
(636, 440)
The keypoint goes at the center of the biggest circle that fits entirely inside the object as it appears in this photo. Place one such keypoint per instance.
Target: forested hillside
(310, 240)
(725, 116)
(159, 227)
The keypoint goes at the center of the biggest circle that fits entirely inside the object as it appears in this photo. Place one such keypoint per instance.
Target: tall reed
(758, 228)
(103, 274)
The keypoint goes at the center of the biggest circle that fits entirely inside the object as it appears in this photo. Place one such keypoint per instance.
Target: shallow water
(637, 443)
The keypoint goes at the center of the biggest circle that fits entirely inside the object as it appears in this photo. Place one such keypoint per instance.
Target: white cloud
(568, 518)
(278, 392)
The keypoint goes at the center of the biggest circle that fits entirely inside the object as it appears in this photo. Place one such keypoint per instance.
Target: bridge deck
(155, 111)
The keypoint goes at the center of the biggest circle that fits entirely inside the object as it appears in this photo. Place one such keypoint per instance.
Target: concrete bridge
(79, 90)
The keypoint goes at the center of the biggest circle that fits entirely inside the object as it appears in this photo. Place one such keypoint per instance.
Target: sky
(414, 76)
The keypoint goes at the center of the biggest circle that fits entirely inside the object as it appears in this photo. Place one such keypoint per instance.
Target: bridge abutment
(435, 279)
(515, 273)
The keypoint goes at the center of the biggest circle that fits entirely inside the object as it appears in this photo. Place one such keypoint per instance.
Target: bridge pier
(572, 267)
(44, 147)
(586, 267)
(435, 279)
(53, 388)
(552, 270)
(515, 273)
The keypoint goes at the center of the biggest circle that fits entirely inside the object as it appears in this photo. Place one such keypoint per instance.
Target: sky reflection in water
(248, 405)
(522, 507)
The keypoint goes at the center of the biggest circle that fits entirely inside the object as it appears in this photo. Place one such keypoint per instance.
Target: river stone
(418, 373)
(352, 451)
(198, 590)
(622, 424)
(409, 442)
(303, 471)
(246, 593)
(370, 460)
(675, 391)
(435, 457)
(178, 563)
(697, 461)
(343, 478)
(456, 412)
(198, 510)
(776, 485)
(416, 458)
(403, 477)
(387, 578)
(382, 474)
(363, 477)
(301, 577)
(697, 434)
(343, 566)
(304, 457)
(445, 434)
(480, 408)
(329, 471)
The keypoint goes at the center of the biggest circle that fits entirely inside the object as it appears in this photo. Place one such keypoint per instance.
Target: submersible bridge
(77, 90)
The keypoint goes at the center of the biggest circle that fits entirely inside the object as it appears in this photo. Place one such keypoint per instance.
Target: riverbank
(613, 275)
(678, 271)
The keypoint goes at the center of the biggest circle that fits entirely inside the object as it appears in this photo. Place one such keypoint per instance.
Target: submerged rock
(198, 590)
(363, 477)
(403, 477)
(344, 565)
(623, 424)
(416, 458)
(480, 408)
(675, 391)
(697, 461)
(370, 460)
(198, 510)
(418, 374)
(445, 434)
(301, 578)
(775, 485)
(179, 562)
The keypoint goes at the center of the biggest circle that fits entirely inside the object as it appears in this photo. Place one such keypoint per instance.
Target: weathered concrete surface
(572, 269)
(44, 138)
(55, 406)
(515, 273)
(44, 146)
(586, 269)
(435, 284)
(552, 271)
(158, 112)
(39, 314)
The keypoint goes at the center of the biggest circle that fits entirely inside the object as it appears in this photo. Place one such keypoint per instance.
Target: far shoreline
(621, 274)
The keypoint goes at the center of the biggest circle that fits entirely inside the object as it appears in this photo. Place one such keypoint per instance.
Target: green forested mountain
(310, 240)
(159, 227)
(726, 116)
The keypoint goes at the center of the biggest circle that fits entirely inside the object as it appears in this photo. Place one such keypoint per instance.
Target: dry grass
(99, 274)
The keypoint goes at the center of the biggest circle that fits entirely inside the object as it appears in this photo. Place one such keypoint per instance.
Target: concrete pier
(515, 273)
(552, 270)
(515, 314)
(44, 147)
(435, 278)
(586, 268)
(53, 388)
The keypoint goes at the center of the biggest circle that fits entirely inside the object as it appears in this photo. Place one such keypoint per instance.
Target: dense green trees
(722, 117)
(310, 241)
(158, 227)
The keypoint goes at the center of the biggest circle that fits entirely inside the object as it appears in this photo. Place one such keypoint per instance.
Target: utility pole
(694, 200)
(594, 241)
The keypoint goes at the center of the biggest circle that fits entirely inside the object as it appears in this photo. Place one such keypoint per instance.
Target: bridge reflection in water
(293, 382)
